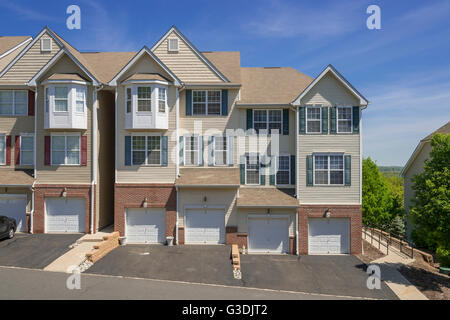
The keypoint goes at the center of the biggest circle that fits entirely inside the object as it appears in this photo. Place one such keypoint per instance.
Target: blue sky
(403, 69)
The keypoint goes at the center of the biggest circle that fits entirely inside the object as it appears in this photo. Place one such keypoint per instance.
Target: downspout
(177, 125)
(34, 160)
(32, 206)
(297, 175)
(94, 153)
(176, 223)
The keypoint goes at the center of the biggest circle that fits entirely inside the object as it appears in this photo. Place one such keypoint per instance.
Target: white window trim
(69, 92)
(206, 104)
(337, 119)
(328, 155)
(259, 170)
(276, 168)
(76, 99)
(3, 161)
(169, 48)
(226, 151)
(158, 99)
(152, 99)
(28, 135)
(71, 98)
(14, 114)
(185, 150)
(320, 120)
(65, 135)
(267, 119)
(146, 149)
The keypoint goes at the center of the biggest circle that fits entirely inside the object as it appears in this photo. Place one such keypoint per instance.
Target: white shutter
(230, 150)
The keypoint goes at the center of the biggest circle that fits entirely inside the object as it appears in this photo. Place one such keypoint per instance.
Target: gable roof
(330, 68)
(444, 129)
(145, 50)
(271, 85)
(9, 44)
(193, 48)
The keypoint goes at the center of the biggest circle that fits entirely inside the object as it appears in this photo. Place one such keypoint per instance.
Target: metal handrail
(400, 239)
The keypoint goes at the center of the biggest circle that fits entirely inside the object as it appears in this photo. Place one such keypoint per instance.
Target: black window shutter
(309, 170)
(293, 167)
(356, 119)
(285, 122)
(242, 169)
(333, 120)
(128, 150)
(348, 169)
(224, 107)
(302, 119)
(188, 102)
(249, 119)
(324, 120)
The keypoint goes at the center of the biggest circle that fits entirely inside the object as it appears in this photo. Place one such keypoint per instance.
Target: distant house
(415, 166)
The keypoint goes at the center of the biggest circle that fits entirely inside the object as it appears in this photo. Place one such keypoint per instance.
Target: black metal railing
(388, 238)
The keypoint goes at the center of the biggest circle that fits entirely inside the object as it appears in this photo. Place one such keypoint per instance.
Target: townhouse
(173, 144)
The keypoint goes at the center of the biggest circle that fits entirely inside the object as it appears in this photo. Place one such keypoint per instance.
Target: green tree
(376, 199)
(431, 210)
(394, 184)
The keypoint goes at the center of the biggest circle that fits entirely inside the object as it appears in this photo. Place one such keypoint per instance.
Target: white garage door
(14, 206)
(329, 236)
(268, 235)
(65, 215)
(146, 225)
(206, 226)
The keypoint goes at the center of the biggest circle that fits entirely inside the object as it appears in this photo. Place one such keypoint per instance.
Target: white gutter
(176, 223)
(297, 175)
(115, 136)
(177, 125)
(94, 154)
(32, 207)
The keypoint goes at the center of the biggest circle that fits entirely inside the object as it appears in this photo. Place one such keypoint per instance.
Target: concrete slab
(71, 258)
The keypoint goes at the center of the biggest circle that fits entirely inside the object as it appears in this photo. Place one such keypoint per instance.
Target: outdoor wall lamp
(327, 213)
(64, 192)
(205, 199)
(144, 204)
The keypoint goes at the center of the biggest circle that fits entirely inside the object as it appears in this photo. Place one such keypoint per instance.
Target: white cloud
(25, 13)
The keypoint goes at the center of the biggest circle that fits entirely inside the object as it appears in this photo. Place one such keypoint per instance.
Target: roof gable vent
(172, 44)
(46, 45)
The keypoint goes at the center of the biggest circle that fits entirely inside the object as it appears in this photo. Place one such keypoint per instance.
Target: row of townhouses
(173, 143)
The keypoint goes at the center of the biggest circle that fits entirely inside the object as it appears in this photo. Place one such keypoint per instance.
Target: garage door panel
(15, 208)
(65, 215)
(329, 236)
(268, 235)
(146, 225)
(205, 226)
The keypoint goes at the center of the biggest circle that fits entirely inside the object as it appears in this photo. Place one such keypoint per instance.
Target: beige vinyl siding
(62, 174)
(347, 144)
(15, 126)
(185, 63)
(215, 197)
(26, 191)
(145, 174)
(243, 213)
(329, 91)
(416, 167)
(31, 62)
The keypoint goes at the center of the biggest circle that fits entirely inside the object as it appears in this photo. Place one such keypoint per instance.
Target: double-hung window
(283, 170)
(252, 168)
(313, 119)
(344, 119)
(80, 99)
(162, 99)
(61, 99)
(220, 150)
(13, 102)
(146, 150)
(191, 150)
(144, 98)
(2, 149)
(26, 149)
(267, 120)
(65, 149)
(206, 102)
(329, 169)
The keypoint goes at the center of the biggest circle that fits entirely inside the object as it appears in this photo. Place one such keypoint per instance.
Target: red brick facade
(337, 211)
(44, 191)
(133, 196)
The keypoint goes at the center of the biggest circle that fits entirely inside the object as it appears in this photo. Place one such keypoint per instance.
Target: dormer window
(46, 45)
(172, 44)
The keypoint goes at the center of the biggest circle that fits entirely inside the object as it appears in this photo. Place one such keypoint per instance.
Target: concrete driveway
(34, 251)
(340, 275)
(190, 263)
(329, 275)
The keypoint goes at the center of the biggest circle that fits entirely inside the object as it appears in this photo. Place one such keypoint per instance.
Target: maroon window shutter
(8, 150)
(30, 103)
(17, 151)
(83, 150)
(47, 151)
